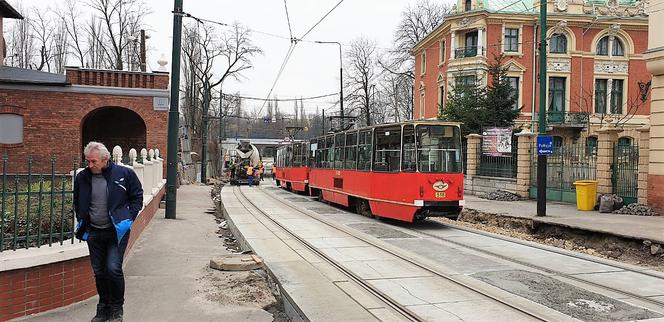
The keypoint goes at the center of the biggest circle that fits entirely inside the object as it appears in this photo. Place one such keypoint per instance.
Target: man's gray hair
(96, 146)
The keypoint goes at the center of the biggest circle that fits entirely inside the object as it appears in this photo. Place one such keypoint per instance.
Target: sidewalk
(563, 214)
(166, 271)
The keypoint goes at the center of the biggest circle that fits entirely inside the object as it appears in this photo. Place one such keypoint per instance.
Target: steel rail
(401, 309)
(545, 269)
(448, 277)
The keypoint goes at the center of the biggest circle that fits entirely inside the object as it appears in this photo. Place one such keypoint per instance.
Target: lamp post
(174, 114)
(341, 75)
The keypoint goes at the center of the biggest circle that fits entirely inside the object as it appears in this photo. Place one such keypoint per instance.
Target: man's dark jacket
(125, 198)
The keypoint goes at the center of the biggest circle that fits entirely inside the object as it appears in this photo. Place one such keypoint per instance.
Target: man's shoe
(103, 313)
(116, 315)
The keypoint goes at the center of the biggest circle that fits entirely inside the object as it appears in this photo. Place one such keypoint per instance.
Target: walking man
(107, 199)
(250, 176)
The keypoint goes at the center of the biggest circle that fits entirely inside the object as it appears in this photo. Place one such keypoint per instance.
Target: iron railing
(561, 118)
(504, 166)
(471, 51)
(36, 207)
(625, 167)
(567, 164)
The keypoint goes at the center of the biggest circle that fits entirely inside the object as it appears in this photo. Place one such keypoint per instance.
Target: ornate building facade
(595, 68)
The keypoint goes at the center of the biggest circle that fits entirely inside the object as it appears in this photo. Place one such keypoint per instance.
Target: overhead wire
(290, 30)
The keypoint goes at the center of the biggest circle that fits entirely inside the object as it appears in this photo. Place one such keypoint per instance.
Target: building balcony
(566, 119)
(472, 51)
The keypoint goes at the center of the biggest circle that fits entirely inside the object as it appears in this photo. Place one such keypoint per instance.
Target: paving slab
(478, 310)
(636, 283)
(425, 290)
(382, 269)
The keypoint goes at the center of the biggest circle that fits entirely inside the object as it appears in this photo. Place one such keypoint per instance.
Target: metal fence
(567, 164)
(36, 208)
(498, 166)
(464, 155)
(625, 167)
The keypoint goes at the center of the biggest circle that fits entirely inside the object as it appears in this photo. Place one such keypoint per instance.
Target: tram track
(527, 310)
(402, 310)
(625, 268)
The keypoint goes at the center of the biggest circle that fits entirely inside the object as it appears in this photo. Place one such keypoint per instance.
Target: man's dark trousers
(106, 256)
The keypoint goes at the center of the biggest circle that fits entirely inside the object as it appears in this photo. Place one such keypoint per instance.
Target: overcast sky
(312, 69)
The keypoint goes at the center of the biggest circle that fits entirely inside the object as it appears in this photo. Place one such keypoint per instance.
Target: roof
(7, 11)
(15, 75)
(508, 6)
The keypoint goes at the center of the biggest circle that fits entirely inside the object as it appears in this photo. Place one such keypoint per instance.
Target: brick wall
(38, 289)
(480, 184)
(53, 122)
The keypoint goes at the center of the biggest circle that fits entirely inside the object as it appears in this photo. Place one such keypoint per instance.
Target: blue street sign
(544, 145)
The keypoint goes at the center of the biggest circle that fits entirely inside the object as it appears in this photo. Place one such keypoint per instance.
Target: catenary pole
(542, 159)
(174, 114)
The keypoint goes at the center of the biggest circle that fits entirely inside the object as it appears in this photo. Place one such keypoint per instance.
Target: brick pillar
(644, 156)
(524, 162)
(473, 158)
(608, 136)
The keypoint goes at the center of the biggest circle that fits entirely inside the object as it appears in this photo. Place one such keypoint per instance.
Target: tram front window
(439, 148)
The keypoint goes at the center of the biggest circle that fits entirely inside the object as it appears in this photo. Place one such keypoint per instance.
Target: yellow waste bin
(586, 194)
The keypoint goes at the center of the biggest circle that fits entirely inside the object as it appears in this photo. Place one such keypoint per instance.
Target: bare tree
(122, 20)
(21, 41)
(71, 19)
(360, 77)
(416, 23)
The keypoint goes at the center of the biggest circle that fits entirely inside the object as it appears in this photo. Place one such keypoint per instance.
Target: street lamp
(341, 73)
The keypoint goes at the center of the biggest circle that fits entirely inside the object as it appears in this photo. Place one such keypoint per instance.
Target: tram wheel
(362, 207)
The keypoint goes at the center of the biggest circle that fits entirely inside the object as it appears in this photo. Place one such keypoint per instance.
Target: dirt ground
(601, 245)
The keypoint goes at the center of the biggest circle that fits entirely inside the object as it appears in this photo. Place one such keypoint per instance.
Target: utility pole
(341, 77)
(221, 131)
(541, 158)
(204, 130)
(323, 121)
(174, 114)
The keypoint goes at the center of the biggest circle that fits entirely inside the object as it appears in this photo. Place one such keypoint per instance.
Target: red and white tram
(292, 166)
(405, 171)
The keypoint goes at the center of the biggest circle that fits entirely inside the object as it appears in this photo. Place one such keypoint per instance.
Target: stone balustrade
(149, 171)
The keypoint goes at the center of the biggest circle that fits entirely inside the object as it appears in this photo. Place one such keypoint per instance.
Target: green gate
(567, 164)
(625, 179)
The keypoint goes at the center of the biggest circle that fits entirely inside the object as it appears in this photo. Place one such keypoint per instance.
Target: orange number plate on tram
(440, 195)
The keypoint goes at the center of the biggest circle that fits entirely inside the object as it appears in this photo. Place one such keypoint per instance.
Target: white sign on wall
(161, 103)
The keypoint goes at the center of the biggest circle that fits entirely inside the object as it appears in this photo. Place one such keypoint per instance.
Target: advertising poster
(497, 142)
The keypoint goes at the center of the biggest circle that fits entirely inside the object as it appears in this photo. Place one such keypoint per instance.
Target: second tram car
(293, 166)
(405, 171)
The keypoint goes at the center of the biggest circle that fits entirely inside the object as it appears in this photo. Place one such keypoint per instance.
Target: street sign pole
(174, 114)
(542, 158)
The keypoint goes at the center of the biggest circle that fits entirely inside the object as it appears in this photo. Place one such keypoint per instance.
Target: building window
(468, 5)
(557, 141)
(511, 39)
(618, 49)
(558, 44)
(614, 96)
(423, 63)
(441, 52)
(464, 82)
(557, 94)
(441, 95)
(422, 104)
(591, 145)
(603, 46)
(11, 128)
(600, 96)
(617, 96)
(514, 83)
(625, 141)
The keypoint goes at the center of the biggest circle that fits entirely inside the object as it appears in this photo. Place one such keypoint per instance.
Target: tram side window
(364, 148)
(289, 156)
(297, 155)
(306, 161)
(350, 158)
(439, 148)
(329, 148)
(388, 149)
(408, 158)
(339, 143)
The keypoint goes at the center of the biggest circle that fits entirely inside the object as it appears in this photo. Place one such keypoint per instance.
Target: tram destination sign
(544, 145)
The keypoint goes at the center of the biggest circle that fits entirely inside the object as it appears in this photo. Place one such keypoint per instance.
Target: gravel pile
(636, 209)
(501, 195)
